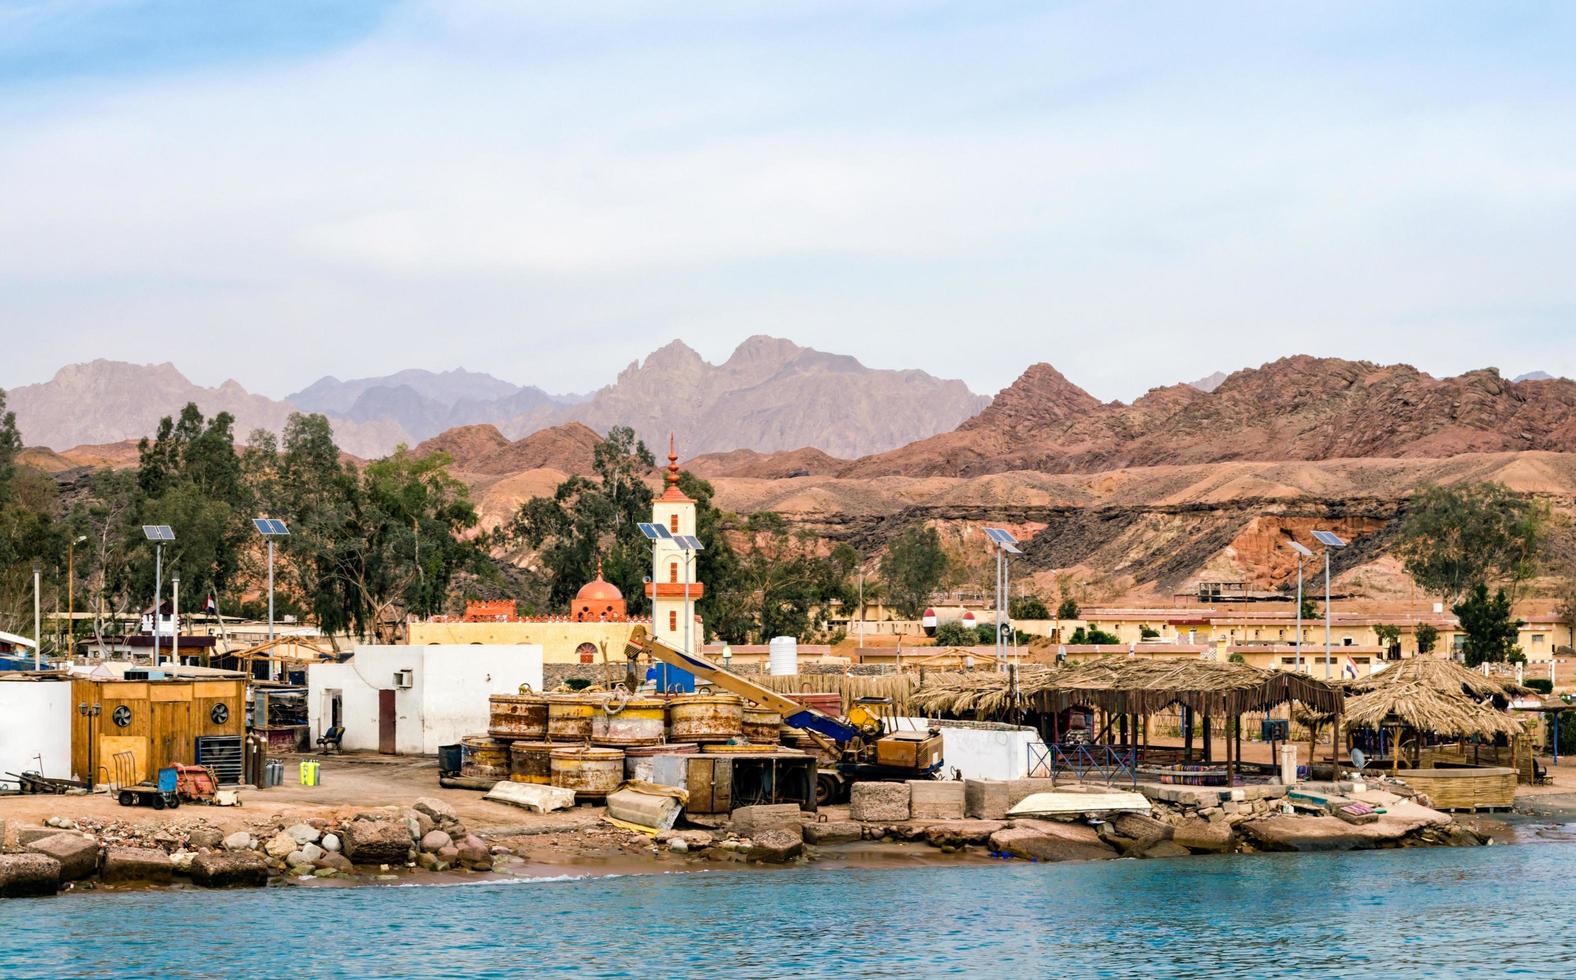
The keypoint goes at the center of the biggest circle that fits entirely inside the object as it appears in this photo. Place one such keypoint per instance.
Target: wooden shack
(158, 721)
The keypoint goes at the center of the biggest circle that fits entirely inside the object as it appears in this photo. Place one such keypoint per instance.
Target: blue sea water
(1412, 913)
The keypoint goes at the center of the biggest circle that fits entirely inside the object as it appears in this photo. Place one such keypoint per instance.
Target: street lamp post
(1004, 544)
(271, 528)
(71, 589)
(692, 548)
(158, 534)
(1302, 552)
(1331, 541)
(38, 635)
(175, 619)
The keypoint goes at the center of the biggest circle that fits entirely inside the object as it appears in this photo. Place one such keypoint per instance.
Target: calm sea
(1442, 913)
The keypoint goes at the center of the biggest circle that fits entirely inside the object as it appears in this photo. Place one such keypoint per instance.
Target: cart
(158, 795)
(196, 783)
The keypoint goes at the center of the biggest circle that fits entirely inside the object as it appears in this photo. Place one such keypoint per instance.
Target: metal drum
(761, 725)
(531, 762)
(569, 717)
(705, 718)
(484, 757)
(517, 716)
(731, 748)
(640, 721)
(591, 772)
(638, 762)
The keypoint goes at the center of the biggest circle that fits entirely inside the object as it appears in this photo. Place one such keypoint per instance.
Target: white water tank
(782, 656)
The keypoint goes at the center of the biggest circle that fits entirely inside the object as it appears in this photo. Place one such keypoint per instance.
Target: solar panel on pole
(1329, 539)
(1299, 548)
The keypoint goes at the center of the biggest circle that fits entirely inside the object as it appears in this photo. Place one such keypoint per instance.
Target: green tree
(779, 584)
(1310, 608)
(1389, 637)
(10, 446)
(1068, 609)
(1028, 607)
(913, 568)
(953, 633)
(1426, 635)
(1490, 628)
(1455, 538)
(1093, 635)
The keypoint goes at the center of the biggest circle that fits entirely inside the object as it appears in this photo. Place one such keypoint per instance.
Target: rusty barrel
(588, 770)
(705, 718)
(621, 721)
(762, 725)
(532, 762)
(484, 757)
(638, 762)
(569, 717)
(517, 716)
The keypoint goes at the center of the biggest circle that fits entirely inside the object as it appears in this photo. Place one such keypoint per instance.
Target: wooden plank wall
(166, 718)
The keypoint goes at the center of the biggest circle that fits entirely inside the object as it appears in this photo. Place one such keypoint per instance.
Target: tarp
(1066, 803)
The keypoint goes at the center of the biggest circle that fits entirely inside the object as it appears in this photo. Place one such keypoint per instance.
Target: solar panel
(1001, 536)
(158, 532)
(1299, 548)
(646, 530)
(662, 532)
(279, 526)
(261, 523)
(1329, 539)
(689, 542)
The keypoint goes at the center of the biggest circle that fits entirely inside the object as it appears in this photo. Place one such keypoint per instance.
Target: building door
(386, 722)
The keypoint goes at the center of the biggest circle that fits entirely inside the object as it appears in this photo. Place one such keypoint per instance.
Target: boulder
(239, 841)
(428, 861)
(77, 854)
(1162, 849)
(27, 835)
(1043, 840)
(435, 841)
(448, 854)
(1142, 828)
(375, 841)
(474, 854)
(957, 833)
(182, 860)
(931, 799)
(279, 846)
(747, 821)
(832, 832)
(434, 808)
(872, 801)
(694, 839)
(204, 837)
(330, 842)
(776, 846)
(1202, 837)
(312, 852)
(28, 874)
(141, 864)
(230, 869)
(338, 862)
(303, 833)
(985, 799)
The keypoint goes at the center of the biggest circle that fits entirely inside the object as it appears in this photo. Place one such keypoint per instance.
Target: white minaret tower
(675, 512)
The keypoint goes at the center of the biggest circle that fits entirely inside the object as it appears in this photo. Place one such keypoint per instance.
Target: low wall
(979, 750)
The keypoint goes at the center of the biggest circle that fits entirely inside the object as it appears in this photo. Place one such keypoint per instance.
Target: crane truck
(863, 746)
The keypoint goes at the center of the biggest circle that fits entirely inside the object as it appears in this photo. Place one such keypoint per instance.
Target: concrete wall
(35, 721)
(446, 700)
(979, 752)
(560, 639)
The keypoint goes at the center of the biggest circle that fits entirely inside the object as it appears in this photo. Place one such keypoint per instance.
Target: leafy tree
(1028, 607)
(1490, 628)
(10, 446)
(1093, 635)
(1389, 637)
(1148, 633)
(1455, 538)
(1068, 609)
(778, 583)
(1310, 608)
(1427, 636)
(913, 568)
(953, 633)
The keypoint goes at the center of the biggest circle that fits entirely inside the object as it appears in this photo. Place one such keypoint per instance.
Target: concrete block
(878, 801)
(985, 799)
(747, 821)
(27, 835)
(930, 799)
(832, 832)
(78, 855)
(1019, 790)
(230, 869)
(144, 864)
(657, 811)
(776, 846)
(28, 874)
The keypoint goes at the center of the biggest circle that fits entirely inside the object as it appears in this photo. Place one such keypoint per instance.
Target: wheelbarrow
(160, 794)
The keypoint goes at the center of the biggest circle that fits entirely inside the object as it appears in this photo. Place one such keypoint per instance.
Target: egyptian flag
(1350, 669)
(211, 607)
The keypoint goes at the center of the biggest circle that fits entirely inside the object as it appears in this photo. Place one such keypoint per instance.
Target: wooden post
(1187, 734)
(1209, 743)
(1236, 727)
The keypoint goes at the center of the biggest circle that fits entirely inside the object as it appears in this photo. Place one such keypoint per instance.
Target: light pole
(861, 609)
(656, 534)
(158, 534)
(1004, 544)
(175, 619)
(38, 634)
(1331, 541)
(71, 589)
(1302, 552)
(270, 528)
(692, 548)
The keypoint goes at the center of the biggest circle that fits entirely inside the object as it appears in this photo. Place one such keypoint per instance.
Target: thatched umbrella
(1429, 696)
(1442, 675)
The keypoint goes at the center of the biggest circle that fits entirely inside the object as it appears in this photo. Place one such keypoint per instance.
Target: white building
(35, 727)
(411, 699)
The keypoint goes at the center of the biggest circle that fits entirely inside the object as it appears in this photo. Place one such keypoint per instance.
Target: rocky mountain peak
(1041, 396)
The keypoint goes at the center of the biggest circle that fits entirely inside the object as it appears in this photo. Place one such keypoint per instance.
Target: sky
(1138, 193)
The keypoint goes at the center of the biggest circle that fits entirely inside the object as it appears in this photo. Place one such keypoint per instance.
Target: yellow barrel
(629, 721)
(591, 772)
(484, 757)
(705, 718)
(762, 725)
(517, 716)
(531, 762)
(569, 717)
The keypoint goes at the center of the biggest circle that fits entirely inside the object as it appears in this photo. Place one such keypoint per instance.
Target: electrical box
(404, 678)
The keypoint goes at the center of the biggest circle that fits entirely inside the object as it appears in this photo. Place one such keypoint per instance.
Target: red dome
(599, 589)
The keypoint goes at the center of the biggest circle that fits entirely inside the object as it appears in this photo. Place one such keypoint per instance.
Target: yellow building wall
(560, 641)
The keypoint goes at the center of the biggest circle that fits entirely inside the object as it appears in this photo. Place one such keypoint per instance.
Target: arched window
(587, 652)
(673, 571)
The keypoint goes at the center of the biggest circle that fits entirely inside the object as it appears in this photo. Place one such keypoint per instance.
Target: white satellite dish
(1358, 759)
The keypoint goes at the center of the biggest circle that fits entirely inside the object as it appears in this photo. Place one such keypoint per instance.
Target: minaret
(676, 512)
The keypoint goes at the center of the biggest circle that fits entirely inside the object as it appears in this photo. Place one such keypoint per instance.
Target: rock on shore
(23, 875)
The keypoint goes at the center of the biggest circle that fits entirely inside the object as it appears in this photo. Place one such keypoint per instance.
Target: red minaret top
(673, 492)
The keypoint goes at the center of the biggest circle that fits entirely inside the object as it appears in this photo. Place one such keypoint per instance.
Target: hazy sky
(1139, 193)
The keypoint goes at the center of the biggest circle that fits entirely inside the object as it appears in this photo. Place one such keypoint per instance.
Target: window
(1346, 642)
(673, 571)
(1537, 639)
(673, 523)
(587, 652)
(673, 621)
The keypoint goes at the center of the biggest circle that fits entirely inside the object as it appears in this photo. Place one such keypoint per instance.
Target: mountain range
(770, 394)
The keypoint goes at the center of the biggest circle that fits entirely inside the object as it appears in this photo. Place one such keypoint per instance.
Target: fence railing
(1083, 762)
